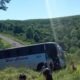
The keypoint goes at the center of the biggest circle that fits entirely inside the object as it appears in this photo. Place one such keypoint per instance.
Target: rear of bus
(55, 55)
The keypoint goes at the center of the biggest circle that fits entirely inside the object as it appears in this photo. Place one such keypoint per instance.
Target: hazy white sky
(35, 9)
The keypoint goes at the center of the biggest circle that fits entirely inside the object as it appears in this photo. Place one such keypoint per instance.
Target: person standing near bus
(47, 74)
(51, 66)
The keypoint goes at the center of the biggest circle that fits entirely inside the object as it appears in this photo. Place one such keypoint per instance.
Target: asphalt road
(12, 42)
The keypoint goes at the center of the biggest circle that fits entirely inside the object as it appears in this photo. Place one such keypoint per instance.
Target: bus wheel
(39, 66)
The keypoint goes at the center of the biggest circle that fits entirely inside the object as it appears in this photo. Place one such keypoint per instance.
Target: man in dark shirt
(47, 74)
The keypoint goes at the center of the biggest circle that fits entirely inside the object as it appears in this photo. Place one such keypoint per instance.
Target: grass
(4, 44)
(68, 74)
(13, 73)
(65, 74)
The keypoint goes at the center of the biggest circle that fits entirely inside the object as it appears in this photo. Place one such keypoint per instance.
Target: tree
(37, 36)
(3, 4)
(30, 33)
(18, 30)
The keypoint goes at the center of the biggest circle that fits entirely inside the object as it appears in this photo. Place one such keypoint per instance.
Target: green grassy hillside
(65, 74)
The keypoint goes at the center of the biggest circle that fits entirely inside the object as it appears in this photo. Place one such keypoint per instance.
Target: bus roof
(30, 45)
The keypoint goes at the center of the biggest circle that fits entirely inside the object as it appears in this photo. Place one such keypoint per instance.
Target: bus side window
(2, 55)
(10, 53)
(36, 49)
(23, 51)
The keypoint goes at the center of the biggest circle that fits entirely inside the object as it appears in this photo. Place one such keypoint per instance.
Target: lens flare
(51, 20)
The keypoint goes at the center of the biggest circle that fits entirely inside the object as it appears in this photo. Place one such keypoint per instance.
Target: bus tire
(39, 66)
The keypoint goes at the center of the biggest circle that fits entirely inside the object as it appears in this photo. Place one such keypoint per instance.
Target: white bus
(33, 56)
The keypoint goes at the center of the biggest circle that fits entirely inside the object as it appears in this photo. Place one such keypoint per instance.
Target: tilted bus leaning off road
(33, 56)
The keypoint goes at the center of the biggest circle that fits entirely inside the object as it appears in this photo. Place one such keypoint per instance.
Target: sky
(40, 9)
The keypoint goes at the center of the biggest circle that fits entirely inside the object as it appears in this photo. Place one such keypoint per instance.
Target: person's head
(46, 71)
(22, 77)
